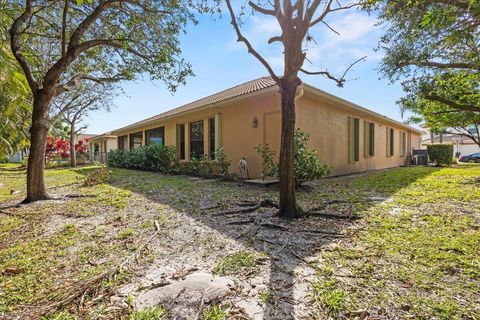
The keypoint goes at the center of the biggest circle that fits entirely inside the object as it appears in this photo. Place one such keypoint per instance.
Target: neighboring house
(462, 145)
(346, 136)
(100, 145)
(84, 136)
(18, 156)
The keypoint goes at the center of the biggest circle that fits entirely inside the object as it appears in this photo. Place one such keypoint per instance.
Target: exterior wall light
(255, 122)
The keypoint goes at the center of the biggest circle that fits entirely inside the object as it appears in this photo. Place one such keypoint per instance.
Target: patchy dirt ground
(196, 249)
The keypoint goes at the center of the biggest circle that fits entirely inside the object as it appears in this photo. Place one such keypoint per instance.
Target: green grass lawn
(413, 255)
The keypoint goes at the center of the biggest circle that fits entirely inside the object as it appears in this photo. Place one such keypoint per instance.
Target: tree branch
(465, 107)
(251, 50)
(328, 9)
(260, 9)
(340, 81)
(64, 27)
(16, 45)
(440, 65)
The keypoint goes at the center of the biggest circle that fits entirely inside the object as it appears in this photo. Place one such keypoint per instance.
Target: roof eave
(119, 132)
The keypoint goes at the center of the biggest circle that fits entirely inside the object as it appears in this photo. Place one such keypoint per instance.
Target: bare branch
(329, 27)
(251, 50)
(328, 9)
(260, 9)
(340, 81)
(274, 39)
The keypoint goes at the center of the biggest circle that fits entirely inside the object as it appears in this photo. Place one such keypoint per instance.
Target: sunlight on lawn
(416, 254)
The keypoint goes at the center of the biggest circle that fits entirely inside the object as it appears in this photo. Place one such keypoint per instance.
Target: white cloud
(358, 36)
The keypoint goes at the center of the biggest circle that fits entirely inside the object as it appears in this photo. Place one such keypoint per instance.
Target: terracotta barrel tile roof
(252, 87)
(222, 96)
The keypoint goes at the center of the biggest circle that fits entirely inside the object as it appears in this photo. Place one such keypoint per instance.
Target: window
(155, 136)
(181, 141)
(390, 142)
(196, 139)
(212, 137)
(122, 142)
(369, 142)
(403, 143)
(353, 139)
(136, 140)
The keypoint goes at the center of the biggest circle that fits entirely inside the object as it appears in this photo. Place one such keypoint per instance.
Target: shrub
(440, 154)
(269, 167)
(135, 159)
(185, 167)
(116, 158)
(307, 164)
(97, 176)
(159, 158)
(152, 157)
(205, 167)
(222, 161)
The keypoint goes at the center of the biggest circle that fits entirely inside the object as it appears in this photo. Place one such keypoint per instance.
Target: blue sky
(219, 62)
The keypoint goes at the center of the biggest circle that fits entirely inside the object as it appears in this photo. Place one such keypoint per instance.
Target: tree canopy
(433, 47)
(61, 43)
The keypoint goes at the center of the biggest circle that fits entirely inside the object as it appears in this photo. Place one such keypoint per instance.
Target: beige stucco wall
(325, 121)
(327, 124)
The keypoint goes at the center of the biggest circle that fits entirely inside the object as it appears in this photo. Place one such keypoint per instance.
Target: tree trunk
(36, 160)
(73, 154)
(288, 202)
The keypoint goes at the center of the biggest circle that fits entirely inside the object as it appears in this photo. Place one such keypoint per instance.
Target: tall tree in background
(296, 20)
(102, 40)
(433, 46)
(73, 106)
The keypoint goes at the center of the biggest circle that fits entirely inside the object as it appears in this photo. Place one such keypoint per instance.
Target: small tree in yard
(61, 43)
(72, 107)
(296, 21)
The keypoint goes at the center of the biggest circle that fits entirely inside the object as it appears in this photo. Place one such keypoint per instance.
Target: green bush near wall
(440, 154)
(163, 159)
(308, 166)
(152, 158)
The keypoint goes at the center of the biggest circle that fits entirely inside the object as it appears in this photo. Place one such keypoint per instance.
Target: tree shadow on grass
(289, 245)
(13, 182)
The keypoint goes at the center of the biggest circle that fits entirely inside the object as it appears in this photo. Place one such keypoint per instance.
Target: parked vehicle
(474, 157)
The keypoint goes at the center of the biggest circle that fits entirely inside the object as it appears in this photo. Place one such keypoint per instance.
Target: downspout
(298, 94)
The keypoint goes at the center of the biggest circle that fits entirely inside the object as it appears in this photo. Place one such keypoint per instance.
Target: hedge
(440, 154)
(163, 159)
(152, 158)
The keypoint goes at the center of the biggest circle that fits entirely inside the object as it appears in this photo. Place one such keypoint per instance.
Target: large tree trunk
(288, 202)
(73, 155)
(36, 159)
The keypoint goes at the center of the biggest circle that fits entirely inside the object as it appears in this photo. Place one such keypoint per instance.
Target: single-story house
(347, 137)
(101, 145)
